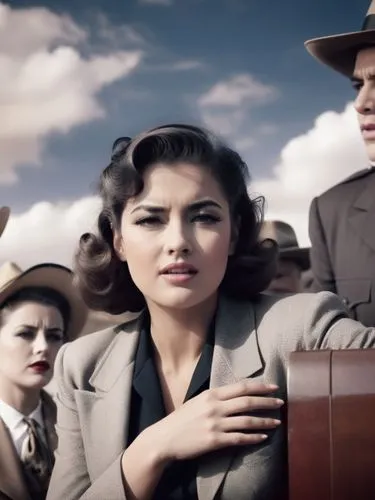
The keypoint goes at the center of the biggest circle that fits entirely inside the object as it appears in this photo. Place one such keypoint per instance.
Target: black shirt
(178, 481)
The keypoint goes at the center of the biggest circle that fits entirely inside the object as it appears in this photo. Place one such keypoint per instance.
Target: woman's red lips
(368, 126)
(179, 269)
(40, 366)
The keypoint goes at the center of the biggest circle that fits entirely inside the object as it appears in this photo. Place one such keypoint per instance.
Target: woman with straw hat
(39, 311)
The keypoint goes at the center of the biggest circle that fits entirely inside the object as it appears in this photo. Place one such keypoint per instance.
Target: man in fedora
(293, 260)
(342, 220)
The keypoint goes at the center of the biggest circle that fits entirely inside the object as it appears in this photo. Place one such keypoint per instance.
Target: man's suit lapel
(362, 213)
(12, 481)
(104, 414)
(236, 356)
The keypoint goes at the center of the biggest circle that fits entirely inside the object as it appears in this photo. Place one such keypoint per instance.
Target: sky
(77, 75)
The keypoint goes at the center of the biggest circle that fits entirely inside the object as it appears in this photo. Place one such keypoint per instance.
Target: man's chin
(370, 149)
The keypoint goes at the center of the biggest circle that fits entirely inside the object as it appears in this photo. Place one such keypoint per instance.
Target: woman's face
(30, 336)
(176, 236)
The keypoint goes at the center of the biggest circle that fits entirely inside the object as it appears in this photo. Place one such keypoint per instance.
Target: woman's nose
(40, 343)
(178, 241)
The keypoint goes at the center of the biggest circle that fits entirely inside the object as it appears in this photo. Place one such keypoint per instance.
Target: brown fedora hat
(4, 217)
(340, 51)
(286, 239)
(58, 278)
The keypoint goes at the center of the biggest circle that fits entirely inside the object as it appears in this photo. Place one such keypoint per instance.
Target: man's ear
(236, 224)
(118, 245)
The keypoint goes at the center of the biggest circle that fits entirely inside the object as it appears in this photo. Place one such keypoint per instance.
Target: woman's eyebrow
(33, 327)
(197, 205)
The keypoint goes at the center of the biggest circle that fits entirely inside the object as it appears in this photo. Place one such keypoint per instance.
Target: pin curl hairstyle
(104, 280)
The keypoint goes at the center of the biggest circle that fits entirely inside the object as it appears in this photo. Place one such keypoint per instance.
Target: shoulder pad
(358, 175)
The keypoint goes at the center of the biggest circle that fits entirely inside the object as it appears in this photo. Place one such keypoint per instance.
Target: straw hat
(4, 216)
(54, 276)
(340, 51)
(286, 238)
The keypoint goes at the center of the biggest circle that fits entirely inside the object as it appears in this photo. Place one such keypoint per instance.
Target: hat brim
(4, 217)
(339, 52)
(58, 278)
(299, 255)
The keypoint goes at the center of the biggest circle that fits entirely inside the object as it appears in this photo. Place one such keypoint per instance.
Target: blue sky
(224, 38)
(186, 50)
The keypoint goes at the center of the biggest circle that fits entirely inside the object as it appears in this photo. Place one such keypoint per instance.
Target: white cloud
(222, 122)
(46, 84)
(48, 232)
(226, 106)
(36, 28)
(239, 90)
(311, 163)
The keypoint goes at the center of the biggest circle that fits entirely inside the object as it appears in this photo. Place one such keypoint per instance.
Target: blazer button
(345, 301)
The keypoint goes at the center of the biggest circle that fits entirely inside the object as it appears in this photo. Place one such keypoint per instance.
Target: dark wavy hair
(104, 280)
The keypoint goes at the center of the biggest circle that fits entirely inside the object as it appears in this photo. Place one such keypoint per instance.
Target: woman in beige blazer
(185, 401)
(39, 311)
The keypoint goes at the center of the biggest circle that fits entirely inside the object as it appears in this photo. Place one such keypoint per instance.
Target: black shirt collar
(145, 379)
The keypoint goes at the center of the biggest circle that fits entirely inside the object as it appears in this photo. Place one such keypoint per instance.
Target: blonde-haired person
(185, 401)
(40, 310)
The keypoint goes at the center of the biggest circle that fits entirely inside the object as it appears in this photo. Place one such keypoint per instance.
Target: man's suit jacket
(342, 234)
(252, 339)
(12, 483)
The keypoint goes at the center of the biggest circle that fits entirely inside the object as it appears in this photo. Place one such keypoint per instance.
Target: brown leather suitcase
(331, 425)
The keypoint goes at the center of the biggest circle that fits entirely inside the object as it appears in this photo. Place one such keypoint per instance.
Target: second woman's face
(30, 336)
(176, 236)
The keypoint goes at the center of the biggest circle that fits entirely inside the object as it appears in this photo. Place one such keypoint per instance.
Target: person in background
(293, 260)
(185, 401)
(341, 224)
(39, 311)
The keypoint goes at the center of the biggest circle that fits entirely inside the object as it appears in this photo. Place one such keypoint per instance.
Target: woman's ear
(118, 245)
(235, 231)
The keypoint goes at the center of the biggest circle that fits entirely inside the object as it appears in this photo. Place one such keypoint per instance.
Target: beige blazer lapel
(104, 414)
(236, 356)
(12, 481)
(49, 417)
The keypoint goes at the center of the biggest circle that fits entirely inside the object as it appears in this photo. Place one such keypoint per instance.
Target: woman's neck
(179, 334)
(23, 400)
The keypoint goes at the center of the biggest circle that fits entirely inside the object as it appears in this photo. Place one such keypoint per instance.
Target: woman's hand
(213, 420)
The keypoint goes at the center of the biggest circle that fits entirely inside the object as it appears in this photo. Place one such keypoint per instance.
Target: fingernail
(279, 402)
(263, 436)
(273, 386)
(276, 422)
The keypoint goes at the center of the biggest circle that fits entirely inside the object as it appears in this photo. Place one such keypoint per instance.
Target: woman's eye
(25, 334)
(55, 337)
(148, 221)
(206, 218)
